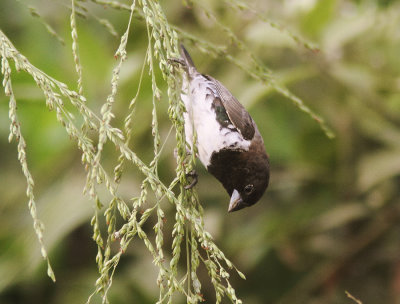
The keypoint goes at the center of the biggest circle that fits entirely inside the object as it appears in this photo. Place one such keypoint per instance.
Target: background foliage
(329, 221)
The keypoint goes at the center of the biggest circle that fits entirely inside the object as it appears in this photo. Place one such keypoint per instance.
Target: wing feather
(237, 114)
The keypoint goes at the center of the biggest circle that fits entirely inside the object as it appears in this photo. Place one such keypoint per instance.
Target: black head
(244, 174)
(250, 188)
(250, 178)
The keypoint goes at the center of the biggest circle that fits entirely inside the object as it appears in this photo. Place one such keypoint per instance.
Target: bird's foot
(193, 174)
(176, 61)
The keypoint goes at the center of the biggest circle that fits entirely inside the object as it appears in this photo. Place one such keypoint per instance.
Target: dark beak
(236, 202)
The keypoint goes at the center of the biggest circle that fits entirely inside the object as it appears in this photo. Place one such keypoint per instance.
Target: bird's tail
(190, 67)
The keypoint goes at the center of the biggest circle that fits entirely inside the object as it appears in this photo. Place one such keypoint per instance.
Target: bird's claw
(193, 174)
(179, 61)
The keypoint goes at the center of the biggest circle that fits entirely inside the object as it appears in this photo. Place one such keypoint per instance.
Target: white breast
(198, 96)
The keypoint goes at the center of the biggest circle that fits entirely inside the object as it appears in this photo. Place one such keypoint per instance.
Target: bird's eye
(249, 189)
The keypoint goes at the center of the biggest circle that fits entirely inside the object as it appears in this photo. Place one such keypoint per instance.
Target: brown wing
(237, 114)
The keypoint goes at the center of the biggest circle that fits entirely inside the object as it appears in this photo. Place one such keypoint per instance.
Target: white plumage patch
(198, 96)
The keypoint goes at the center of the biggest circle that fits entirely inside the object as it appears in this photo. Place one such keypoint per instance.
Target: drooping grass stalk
(15, 132)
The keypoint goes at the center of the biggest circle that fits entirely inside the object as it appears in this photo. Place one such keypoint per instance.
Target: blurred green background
(330, 220)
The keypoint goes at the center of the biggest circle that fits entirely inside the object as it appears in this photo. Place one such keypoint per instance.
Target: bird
(229, 143)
